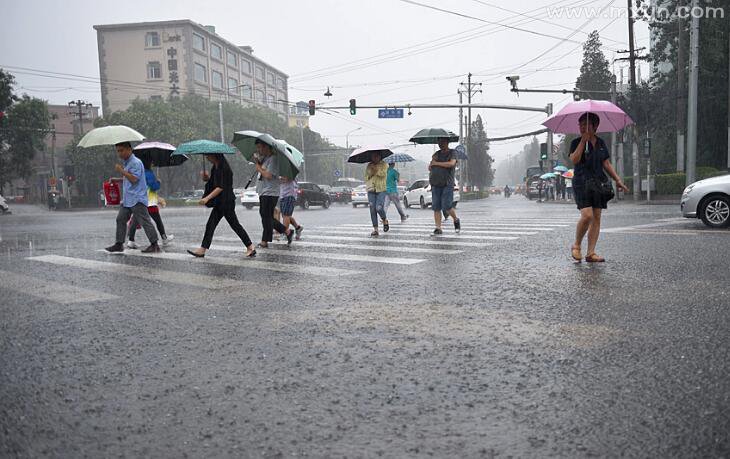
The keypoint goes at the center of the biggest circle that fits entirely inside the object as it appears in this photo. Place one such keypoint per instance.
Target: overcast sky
(379, 52)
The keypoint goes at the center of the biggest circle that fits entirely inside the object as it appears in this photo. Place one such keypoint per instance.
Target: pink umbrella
(566, 120)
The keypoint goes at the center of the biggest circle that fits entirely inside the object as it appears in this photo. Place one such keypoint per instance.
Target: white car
(709, 200)
(249, 199)
(360, 196)
(419, 193)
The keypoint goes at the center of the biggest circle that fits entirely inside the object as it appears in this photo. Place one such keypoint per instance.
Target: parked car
(359, 196)
(310, 194)
(341, 194)
(708, 200)
(419, 193)
(250, 198)
(196, 196)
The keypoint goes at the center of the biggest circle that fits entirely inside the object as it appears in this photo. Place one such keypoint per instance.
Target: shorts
(286, 205)
(442, 198)
(585, 198)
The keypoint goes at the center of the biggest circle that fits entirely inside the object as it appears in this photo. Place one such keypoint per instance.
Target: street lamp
(347, 145)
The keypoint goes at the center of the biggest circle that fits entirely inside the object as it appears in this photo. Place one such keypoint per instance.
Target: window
(154, 71)
(151, 40)
(216, 78)
(271, 99)
(156, 98)
(198, 42)
(231, 59)
(233, 85)
(246, 66)
(247, 93)
(216, 51)
(201, 73)
(270, 79)
(259, 73)
(280, 83)
(260, 97)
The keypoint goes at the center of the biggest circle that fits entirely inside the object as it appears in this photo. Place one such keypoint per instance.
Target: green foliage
(595, 73)
(189, 118)
(24, 129)
(479, 164)
(7, 96)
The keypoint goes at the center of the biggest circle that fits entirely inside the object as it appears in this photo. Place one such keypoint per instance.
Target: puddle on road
(394, 325)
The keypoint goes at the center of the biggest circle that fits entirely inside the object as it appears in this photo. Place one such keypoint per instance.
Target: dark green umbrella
(204, 147)
(432, 136)
(245, 141)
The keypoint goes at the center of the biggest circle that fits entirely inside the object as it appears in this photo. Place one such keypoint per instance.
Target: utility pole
(614, 144)
(220, 119)
(77, 109)
(728, 97)
(634, 131)
(694, 68)
(461, 116)
(470, 91)
(681, 93)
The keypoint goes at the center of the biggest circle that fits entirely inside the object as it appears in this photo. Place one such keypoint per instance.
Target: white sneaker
(132, 245)
(167, 240)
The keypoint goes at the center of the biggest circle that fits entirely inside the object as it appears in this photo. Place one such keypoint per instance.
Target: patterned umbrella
(400, 158)
(204, 147)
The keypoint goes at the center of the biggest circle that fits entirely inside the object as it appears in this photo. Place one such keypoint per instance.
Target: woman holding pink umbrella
(592, 161)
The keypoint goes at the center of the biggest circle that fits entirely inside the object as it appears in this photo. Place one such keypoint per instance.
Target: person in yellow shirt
(376, 174)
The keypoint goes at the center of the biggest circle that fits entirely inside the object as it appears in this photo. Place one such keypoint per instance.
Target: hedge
(674, 183)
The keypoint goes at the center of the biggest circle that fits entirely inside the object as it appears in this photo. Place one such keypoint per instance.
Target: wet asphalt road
(489, 344)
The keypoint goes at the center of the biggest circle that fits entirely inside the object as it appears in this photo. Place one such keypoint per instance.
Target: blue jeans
(442, 198)
(377, 206)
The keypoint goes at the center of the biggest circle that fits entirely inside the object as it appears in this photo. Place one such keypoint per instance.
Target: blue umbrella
(400, 158)
(549, 175)
(204, 147)
(560, 169)
(461, 152)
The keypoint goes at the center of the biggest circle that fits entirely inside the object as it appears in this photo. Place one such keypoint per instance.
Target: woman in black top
(590, 156)
(219, 195)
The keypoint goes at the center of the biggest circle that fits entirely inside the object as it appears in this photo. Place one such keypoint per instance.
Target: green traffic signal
(353, 107)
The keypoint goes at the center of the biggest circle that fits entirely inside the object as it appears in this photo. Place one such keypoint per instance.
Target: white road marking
(251, 263)
(425, 230)
(384, 235)
(283, 252)
(150, 274)
(639, 227)
(386, 240)
(374, 248)
(52, 291)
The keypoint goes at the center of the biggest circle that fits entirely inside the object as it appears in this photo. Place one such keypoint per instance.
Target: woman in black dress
(591, 158)
(219, 195)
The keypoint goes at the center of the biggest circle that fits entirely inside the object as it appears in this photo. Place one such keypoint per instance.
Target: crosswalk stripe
(284, 252)
(483, 226)
(251, 263)
(402, 229)
(386, 240)
(174, 277)
(445, 236)
(49, 290)
(491, 221)
(377, 248)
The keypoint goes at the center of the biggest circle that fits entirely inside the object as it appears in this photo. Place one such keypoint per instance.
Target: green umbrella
(110, 135)
(245, 141)
(204, 147)
(432, 136)
(295, 159)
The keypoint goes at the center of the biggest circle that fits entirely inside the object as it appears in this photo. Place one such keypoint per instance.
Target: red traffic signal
(312, 107)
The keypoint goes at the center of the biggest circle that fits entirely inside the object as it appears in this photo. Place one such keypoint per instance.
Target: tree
(595, 73)
(479, 166)
(23, 128)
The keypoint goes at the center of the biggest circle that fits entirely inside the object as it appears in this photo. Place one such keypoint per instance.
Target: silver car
(709, 200)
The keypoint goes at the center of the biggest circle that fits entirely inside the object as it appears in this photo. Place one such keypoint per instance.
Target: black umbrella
(158, 154)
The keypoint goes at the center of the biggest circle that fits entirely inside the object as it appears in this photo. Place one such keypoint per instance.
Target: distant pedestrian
(268, 188)
(219, 195)
(134, 201)
(153, 201)
(391, 189)
(287, 201)
(441, 178)
(376, 175)
(591, 158)
(569, 188)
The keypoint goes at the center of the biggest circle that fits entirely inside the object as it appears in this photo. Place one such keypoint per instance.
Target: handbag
(209, 189)
(601, 188)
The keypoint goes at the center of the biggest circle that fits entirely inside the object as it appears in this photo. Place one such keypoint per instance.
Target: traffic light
(312, 107)
(543, 152)
(353, 107)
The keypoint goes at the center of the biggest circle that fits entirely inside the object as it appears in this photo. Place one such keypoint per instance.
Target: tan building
(152, 60)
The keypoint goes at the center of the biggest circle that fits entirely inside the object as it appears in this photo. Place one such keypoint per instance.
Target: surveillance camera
(513, 78)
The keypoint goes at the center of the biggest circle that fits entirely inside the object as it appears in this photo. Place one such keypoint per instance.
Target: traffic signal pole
(436, 106)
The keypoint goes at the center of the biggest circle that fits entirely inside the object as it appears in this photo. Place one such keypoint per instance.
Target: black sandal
(196, 255)
(252, 254)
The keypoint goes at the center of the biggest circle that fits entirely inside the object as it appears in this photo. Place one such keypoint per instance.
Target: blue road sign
(390, 113)
(337, 173)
